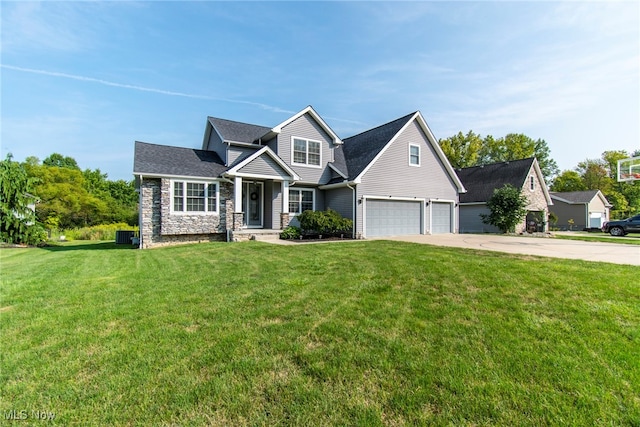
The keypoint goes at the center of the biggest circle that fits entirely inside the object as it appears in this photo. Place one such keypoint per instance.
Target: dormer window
(532, 183)
(306, 152)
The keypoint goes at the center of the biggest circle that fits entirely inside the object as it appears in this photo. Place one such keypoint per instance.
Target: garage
(441, 217)
(392, 217)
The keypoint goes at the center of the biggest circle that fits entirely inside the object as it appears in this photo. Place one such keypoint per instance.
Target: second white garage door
(393, 217)
(441, 221)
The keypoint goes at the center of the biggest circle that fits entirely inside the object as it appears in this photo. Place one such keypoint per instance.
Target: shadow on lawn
(88, 246)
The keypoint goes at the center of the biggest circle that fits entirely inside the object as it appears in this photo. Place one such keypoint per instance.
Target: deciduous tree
(568, 181)
(463, 151)
(507, 207)
(17, 219)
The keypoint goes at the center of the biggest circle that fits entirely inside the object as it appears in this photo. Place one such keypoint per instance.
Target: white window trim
(313, 198)
(184, 197)
(532, 183)
(307, 140)
(416, 165)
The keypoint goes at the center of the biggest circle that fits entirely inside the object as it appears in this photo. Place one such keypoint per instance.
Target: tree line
(65, 196)
(471, 149)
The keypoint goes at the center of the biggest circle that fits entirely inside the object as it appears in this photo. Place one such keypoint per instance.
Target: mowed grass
(629, 239)
(357, 333)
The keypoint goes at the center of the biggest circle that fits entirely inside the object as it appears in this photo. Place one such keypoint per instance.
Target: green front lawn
(368, 333)
(629, 239)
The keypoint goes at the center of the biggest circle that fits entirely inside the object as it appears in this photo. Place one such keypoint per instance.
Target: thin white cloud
(263, 106)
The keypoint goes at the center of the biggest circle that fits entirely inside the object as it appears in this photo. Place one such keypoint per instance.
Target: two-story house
(390, 180)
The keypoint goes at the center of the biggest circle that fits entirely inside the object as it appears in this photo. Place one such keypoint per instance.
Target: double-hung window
(300, 200)
(414, 155)
(195, 197)
(532, 183)
(306, 152)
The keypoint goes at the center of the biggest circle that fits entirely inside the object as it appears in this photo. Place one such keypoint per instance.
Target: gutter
(344, 183)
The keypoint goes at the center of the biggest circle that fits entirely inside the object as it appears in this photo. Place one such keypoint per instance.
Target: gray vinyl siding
(471, 221)
(391, 175)
(565, 212)
(264, 165)
(307, 128)
(216, 144)
(238, 153)
(340, 200)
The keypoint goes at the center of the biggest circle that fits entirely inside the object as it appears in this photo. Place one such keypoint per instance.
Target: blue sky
(87, 79)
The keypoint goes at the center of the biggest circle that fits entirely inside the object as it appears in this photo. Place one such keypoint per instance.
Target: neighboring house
(585, 209)
(481, 181)
(391, 180)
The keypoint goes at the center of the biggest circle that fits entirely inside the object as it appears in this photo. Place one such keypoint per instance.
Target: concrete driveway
(542, 246)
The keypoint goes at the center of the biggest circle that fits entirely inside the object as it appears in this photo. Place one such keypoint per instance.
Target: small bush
(328, 223)
(36, 235)
(291, 233)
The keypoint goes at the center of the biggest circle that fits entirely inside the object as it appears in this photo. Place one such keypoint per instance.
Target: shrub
(36, 235)
(327, 222)
(507, 208)
(291, 233)
(96, 232)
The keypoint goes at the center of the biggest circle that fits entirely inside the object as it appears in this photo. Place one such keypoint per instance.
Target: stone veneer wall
(159, 227)
(537, 201)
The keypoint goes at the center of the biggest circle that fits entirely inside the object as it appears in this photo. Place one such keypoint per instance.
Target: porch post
(285, 196)
(237, 196)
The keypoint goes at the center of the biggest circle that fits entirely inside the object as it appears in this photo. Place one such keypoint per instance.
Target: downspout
(355, 202)
(140, 214)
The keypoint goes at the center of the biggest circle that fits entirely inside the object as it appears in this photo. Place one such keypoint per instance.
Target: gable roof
(309, 110)
(579, 197)
(481, 181)
(164, 160)
(233, 131)
(264, 151)
(362, 150)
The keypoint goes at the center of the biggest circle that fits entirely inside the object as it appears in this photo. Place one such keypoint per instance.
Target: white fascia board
(316, 117)
(436, 147)
(185, 177)
(604, 199)
(381, 152)
(337, 171)
(244, 144)
(257, 176)
(545, 190)
(434, 144)
(268, 151)
(560, 199)
(404, 199)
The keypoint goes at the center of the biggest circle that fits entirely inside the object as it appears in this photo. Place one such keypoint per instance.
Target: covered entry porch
(261, 191)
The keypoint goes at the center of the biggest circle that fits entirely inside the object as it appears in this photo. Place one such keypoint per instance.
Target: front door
(252, 205)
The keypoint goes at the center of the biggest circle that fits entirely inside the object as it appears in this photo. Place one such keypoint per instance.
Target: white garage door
(441, 220)
(393, 217)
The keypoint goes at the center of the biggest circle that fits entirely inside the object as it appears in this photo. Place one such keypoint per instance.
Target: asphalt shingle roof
(237, 131)
(481, 181)
(576, 196)
(359, 150)
(150, 159)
